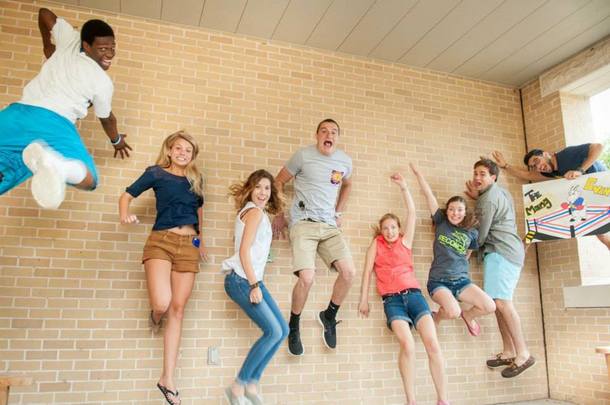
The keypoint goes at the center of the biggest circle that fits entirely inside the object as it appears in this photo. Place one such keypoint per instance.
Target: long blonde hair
(191, 171)
(242, 191)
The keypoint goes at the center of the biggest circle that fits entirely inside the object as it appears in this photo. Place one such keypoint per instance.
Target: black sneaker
(329, 332)
(295, 347)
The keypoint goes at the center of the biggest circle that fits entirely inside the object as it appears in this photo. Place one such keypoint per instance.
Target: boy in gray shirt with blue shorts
(322, 183)
(503, 255)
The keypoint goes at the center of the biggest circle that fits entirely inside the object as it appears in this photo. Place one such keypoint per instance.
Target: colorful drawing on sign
(564, 209)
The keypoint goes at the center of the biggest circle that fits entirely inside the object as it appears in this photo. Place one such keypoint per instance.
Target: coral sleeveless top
(393, 267)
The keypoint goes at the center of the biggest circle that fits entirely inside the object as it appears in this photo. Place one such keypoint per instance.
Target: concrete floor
(540, 402)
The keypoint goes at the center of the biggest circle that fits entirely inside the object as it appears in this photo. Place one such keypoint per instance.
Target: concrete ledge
(587, 296)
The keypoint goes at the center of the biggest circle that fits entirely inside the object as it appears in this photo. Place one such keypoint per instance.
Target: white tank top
(259, 251)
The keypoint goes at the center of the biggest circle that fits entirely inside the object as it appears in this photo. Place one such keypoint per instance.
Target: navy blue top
(571, 158)
(176, 204)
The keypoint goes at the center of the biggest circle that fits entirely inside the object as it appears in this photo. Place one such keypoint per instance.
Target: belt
(310, 220)
(405, 291)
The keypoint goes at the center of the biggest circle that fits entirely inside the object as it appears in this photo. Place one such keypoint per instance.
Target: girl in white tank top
(244, 281)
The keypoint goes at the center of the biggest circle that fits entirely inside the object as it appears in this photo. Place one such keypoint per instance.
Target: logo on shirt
(457, 241)
(336, 177)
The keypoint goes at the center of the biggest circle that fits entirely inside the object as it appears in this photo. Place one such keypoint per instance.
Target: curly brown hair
(469, 221)
(242, 191)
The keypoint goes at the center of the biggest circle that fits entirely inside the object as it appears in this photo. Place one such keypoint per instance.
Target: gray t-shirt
(317, 181)
(497, 227)
(451, 244)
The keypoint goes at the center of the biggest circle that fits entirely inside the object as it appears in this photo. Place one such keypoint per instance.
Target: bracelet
(117, 141)
(253, 286)
(338, 214)
(581, 170)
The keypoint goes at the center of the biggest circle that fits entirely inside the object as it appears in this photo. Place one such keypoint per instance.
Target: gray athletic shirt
(317, 181)
(451, 244)
(497, 226)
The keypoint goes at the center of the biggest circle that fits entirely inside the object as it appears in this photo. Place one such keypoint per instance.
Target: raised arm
(411, 217)
(117, 140)
(252, 218)
(518, 172)
(369, 261)
(279, 223)
(425, 188)
(46, 22)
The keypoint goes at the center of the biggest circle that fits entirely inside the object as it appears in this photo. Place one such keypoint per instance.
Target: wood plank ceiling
(503, 41)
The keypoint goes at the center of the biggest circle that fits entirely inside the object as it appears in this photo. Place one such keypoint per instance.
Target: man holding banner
(570, 163)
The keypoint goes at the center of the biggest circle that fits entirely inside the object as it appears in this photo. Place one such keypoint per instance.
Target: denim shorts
(500, 276)
(410, 307)
(455, 286)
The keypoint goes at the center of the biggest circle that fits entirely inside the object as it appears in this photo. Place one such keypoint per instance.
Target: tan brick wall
(73, 304)
(576, 372)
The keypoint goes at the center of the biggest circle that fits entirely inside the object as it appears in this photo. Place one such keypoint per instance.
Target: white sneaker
(48, 182)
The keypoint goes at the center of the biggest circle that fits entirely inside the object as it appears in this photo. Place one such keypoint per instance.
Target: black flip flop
(167, 392)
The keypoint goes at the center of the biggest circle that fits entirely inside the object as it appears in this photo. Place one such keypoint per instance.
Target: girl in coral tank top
(390, 257)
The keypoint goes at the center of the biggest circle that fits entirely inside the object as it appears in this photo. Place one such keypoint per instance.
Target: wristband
(117, 141)
(253, 286)
(338, 214)
(581, 170)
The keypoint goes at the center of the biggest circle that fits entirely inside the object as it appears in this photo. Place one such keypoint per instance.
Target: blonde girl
(174, 248)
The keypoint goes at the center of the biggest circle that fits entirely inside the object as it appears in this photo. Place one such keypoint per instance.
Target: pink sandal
(473, 330)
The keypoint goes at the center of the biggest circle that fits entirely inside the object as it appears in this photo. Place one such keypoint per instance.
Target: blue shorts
(20, 125)
(500, 276)
(455, 286)
(410, 307)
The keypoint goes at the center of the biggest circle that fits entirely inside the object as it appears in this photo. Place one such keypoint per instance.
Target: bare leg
(482, 304)
(300, 292)
(182, 286)
(508, 348)
(513, 323)
(449, 307)
(427, 331)
(158, 283)
(406, 358)
(344, 281)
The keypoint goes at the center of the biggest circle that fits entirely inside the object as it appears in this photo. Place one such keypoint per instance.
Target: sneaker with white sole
(329, 330)
(48, 181)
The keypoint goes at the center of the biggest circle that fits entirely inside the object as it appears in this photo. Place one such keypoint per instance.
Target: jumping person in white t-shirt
(38, 135)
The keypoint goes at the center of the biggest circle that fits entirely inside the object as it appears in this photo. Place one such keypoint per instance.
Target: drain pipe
(546, 357)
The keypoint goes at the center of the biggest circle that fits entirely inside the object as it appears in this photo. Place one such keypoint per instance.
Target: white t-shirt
(259, 251)
(70, 81)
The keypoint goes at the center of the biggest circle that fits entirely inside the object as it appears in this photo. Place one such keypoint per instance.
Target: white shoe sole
(323, 330)
(48, 185)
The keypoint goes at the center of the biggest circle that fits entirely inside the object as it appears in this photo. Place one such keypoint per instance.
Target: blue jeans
(267, 316)
(455, 286)
(409, 307)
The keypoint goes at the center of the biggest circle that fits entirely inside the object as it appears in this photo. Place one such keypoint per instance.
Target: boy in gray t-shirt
(322, 183)
(503, 256)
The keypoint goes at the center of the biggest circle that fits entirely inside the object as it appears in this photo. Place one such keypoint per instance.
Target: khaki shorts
(176, 249)
(307, 238)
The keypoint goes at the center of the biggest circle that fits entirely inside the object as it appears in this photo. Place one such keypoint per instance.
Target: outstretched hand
(363, 309)
(499, 158)
(130, 219)
(471, 190)
(399, 179)
(122, 148)
(279, 225)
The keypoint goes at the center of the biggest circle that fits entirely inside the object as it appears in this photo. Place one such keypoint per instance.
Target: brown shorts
(176, 249)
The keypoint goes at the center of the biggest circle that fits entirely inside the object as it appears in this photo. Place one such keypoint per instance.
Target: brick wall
(576, 372)
(73, 306)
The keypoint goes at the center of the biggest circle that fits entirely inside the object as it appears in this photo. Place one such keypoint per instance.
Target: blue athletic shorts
(500, 276)
(20, 125)
(409, 306)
